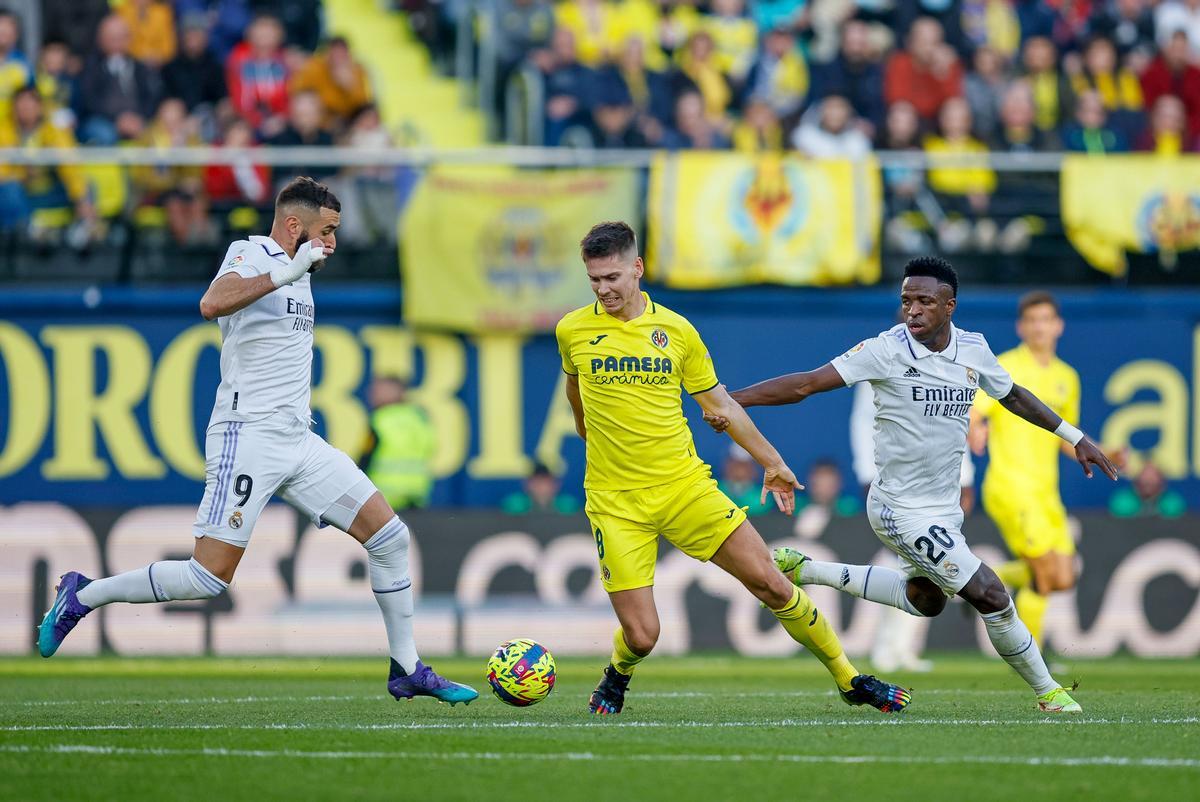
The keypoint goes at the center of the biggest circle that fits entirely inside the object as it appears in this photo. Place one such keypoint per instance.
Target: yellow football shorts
(691, 513)
(1032, 524)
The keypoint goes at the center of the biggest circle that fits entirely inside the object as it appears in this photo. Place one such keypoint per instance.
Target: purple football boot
(424, 681)
(64, 614)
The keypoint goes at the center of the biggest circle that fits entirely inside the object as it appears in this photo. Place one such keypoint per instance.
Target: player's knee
(641, 638)
(929, 601)
(392, 538)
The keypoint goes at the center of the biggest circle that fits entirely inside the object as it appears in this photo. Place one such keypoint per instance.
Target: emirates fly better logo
(659, 338)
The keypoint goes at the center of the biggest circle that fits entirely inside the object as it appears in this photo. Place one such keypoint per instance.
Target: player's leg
(627, 548)
(237, 486)
(1046, 546)
(331, 489)
(1007, 514)
(745, 556)
(1013, 640)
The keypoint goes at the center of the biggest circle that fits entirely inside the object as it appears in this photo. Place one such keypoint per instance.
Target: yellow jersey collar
(651, 309)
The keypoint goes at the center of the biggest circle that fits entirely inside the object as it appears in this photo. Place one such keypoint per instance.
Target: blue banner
(104, 393)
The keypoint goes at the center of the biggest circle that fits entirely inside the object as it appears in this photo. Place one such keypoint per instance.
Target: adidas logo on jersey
(912, 373)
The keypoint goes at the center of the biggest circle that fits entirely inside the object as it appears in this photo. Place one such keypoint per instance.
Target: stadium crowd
(153, 74)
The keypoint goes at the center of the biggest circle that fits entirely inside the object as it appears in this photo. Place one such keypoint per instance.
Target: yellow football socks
(1031, 608)
(623, 658)
(808, 627)
(1015, 574)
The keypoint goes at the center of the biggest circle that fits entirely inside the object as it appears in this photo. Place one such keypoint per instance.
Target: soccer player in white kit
(259, 444)
(925, 373)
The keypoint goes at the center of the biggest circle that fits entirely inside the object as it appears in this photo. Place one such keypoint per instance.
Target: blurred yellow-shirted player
(1020, 488)
(626, 359)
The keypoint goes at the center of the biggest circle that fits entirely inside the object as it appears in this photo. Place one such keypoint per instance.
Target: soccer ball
(521, 672)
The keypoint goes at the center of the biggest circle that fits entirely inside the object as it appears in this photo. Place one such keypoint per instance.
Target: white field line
(585, 757)
(211, 700)
(897, 721)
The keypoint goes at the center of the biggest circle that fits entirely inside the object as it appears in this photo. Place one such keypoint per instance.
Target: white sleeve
(993, 378)
(240, 259)
(867, 361)
(862, 433)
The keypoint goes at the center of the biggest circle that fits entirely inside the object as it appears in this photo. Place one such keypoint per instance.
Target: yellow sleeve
(1071, 412)
(985, 405)
(698, 374)
(562, 333)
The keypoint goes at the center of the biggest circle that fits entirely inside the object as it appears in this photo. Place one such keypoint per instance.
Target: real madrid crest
(972, 378)
(235, 520)
(659, 338)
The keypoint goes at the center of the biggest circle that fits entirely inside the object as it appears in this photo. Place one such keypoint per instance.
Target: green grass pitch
(700, 727)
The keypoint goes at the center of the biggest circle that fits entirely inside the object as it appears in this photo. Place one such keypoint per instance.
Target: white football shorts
(246, 463)
(930, 542)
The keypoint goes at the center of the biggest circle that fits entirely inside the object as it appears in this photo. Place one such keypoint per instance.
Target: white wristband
(1069, 433)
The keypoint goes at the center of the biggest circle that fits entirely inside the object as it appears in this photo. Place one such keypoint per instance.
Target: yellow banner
(1114, 205)
(493, 248)
(721, 219)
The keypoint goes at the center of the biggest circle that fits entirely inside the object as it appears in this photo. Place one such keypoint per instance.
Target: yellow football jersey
(630, 374)
(1024, 457)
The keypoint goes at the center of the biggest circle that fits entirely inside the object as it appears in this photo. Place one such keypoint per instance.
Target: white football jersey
(922, 402)
(266, 348)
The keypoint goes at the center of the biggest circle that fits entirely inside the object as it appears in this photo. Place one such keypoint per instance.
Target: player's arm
(778, 479)
(576, 403)
(790, 389)
(1025, 404)
(233, 292)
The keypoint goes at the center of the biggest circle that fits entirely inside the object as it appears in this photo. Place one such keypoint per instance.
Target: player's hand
(781, 483)
(1089, 454)
(718, 423)
(310, 253)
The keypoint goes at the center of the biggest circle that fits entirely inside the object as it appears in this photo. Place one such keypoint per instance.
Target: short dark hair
(933, 267)
(614, 238)
(1037, 298)
(307, 193)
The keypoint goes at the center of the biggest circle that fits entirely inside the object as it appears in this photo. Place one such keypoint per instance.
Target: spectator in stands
(651, 92)
(1035, 18)
(15, 72)
(1130, 26)
(176, 188)
(963, 192)
(677, 20)
(1166, 135)
(741, 480)
(1117, 87)
(614, 119)
(194, 75)
(856, 74)
(759, 129)
(337, 79)
(117, 93)
(1052, 95)
(829, 130)
(55, 193)
(256, 77)
(518, 28)
(540, 494)
(1172, 73)
(984, 89)
(369, 195)
(927, 73)
(228, 21)
(301, 20)
(906, 225)
(823, 488)
(699, 63)
(57, 84)
(734, 36)
(780, 76)
(244, 184)
(399, 455)
(305, 127)
(1149, 496)
(151, 31)
(567, 86)
(784, 15)
(641, 19)
(595, 27)
(73, 21)
(1016, 131)
(693, 130)
(1089, 132)
(1178, 15)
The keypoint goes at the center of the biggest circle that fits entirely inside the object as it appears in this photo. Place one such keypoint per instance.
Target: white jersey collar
(273, 248)
(919, 351)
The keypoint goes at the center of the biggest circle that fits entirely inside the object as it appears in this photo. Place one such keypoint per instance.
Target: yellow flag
(494, 248)
(1112, 205)
(722, 219)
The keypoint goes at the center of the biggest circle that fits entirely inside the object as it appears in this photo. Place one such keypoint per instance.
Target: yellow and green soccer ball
(521, 672)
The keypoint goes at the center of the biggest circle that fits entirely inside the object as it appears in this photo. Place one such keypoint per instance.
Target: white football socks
(872, 582)
(1016, 645)
(169, 580)
(387, 564)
